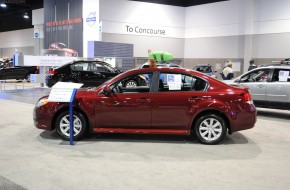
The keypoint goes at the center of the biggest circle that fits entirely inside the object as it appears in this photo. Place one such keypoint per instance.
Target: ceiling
(182, 3)
(11, 17)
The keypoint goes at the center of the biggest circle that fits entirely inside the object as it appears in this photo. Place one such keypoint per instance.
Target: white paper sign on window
(174, 87)
(174, 81)
(283, 76)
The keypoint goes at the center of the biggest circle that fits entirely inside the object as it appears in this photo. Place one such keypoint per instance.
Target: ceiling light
(26, 16)
(3, 5)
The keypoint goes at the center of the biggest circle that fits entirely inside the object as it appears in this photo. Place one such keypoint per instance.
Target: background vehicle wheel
(79, 127)
(210, 129)
(27, 77)
(131, 83)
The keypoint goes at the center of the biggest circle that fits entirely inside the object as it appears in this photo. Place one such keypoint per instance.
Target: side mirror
(107, 90)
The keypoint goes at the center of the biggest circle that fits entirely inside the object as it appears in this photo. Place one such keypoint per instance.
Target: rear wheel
(63, 125)
(210, 129)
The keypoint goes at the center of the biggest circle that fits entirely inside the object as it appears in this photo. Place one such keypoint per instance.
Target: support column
(249, 20)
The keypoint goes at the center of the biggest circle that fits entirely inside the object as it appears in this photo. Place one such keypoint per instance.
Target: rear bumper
(244, 118)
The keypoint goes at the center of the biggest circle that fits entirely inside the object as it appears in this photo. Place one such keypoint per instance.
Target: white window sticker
(174, 79)
(283, 76)
(174, 86)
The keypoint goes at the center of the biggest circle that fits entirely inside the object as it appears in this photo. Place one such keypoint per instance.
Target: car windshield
(61, 45)
(112, 69)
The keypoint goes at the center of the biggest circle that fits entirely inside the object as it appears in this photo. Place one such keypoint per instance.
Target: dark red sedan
(174, 101)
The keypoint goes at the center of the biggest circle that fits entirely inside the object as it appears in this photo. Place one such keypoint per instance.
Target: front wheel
(131, 83)
(63, 125)
(210, 129)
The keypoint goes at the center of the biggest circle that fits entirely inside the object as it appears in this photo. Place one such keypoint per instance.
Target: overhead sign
(142, 29)
(54, 61)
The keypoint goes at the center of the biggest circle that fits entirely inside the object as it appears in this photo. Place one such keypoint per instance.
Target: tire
(131, 83)
(210, 129)
(62, 125)
(27, 77)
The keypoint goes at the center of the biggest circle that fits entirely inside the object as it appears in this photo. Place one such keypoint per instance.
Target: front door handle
(143, 100)
(260, 86)
(194, 99)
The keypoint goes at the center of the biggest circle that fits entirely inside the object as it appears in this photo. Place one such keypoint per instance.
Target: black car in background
(7, 71)
(90, 73)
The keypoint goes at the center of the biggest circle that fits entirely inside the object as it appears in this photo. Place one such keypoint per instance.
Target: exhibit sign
(141, 29)
(53, 61)
(62, 91)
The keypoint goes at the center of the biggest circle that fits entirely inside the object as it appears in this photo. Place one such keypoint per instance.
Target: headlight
(41, 102)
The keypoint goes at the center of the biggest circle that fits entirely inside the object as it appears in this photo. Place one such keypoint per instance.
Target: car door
(172, 104)
(125, 108)
(278, 89)
(12, 73)
(256, 81)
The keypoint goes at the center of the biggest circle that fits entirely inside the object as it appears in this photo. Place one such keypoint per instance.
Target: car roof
(170, 69)
(202, 65)
(88, 61)
(274, 65)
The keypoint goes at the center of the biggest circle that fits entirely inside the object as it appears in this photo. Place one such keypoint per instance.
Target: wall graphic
(63, 30)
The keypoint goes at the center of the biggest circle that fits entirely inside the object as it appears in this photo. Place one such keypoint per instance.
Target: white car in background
(269, 86)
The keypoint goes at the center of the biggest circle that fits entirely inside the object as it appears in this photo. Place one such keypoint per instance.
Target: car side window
(137, 83)
(95, 67)
(79, 67)
(256, 76)
(281, 75)
(180, 82)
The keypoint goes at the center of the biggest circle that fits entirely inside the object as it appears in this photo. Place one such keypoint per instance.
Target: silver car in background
(268, 85)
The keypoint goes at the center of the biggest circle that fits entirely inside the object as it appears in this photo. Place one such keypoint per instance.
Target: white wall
(23, 40)
(116, 14)
(231, 18)
(143, 13)
(17, 38)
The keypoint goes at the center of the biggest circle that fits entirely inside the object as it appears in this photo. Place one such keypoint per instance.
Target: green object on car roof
(161, 56)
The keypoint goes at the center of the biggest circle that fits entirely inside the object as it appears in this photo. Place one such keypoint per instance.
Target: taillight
(52, 71)
(246, 97)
